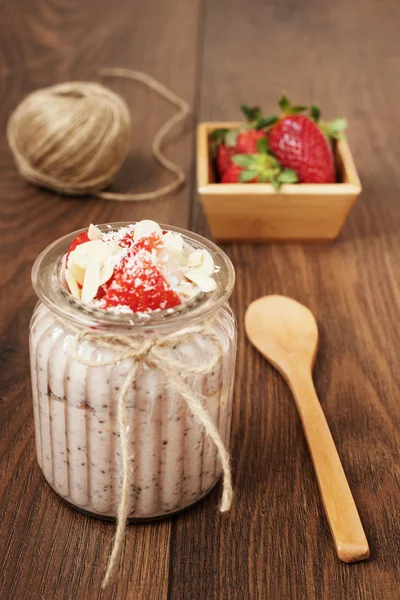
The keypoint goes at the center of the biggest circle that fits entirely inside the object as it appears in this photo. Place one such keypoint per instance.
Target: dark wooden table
(275, 543)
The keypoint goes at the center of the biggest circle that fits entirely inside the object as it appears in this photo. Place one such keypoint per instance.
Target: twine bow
(151, 351)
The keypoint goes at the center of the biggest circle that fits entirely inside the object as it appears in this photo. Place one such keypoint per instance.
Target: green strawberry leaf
(264, 178)
(315, 113)
(275, 184)
(272, 161)
(262, 145)
(299, 108)
(231, 138)
(264, 122)
(262, 162)
(252, 113)
(288, 176)
(338, 124)
(268, 175)
(245, 160)
(218, 134)
(246, 176)
(267, 161)
(285, 104)
(335, 128)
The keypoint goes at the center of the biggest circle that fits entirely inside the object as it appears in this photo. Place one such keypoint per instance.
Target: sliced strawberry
(139, 285)
(127, 241)
(149, 243)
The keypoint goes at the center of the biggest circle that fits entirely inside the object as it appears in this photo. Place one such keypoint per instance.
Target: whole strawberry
(299, 143)
(231, 142)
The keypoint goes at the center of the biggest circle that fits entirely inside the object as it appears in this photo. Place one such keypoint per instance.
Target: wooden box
(257, 212)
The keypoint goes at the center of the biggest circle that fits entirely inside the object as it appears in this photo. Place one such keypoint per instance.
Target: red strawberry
(232, 174)
(149, 243)
(231, 142)
(247, 141)
(299, 144)
(139, 285)
(127, 241)
(224, 158)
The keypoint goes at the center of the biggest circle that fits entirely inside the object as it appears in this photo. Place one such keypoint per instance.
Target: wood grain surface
(275, 543)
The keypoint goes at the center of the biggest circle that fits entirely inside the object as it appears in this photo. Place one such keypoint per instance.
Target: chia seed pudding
(135, 280)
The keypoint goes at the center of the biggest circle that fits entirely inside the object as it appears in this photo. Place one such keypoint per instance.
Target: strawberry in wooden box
(276, 178)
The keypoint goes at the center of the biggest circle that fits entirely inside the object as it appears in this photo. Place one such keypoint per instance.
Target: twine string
(152, 352)
(184, 110)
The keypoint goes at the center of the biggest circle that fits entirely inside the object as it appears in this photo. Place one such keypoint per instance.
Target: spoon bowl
(279, 327)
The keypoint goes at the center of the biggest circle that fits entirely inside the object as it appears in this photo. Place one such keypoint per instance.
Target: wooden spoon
(286, 334)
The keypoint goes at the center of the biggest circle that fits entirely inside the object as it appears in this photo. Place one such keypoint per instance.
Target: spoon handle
(344, 521)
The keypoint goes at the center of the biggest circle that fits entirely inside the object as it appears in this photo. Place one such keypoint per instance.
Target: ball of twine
(74, 137)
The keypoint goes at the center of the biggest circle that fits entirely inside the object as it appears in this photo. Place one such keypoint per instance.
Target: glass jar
(172, 463)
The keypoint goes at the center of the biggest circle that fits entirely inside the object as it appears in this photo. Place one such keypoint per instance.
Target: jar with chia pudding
(131, 334)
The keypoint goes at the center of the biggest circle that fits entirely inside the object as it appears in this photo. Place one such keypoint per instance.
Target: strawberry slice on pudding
(139, 285)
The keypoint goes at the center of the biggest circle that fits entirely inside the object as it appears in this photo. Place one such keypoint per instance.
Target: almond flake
(94, 233)
(207, 264)
(186, 289)
(145, 228)
(73, 286)
(173, 240)
(173, 243)
(106, 272)
(178, 256)
(94, 249)
(195, 258)
(205, 283)
(77, 272)
(91, 282)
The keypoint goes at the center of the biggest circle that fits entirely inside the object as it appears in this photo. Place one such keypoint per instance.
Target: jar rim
(47, 285)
